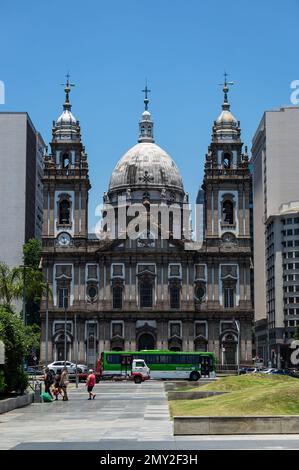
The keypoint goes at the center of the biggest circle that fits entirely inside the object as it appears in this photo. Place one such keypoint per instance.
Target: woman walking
(64, 381)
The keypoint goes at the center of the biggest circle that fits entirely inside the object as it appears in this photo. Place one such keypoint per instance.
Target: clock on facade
(64, 239)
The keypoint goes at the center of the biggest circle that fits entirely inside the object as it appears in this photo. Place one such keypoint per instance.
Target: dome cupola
(146, 169)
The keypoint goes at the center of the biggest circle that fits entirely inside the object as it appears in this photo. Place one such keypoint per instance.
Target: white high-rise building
(275, 152)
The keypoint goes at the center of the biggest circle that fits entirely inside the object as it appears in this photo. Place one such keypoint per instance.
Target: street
(123, 416)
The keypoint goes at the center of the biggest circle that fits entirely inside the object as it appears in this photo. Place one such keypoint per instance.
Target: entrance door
(229, 354)
(60, 351)
(146, 341)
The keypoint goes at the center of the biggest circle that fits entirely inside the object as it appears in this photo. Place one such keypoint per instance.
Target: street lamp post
(64, 304)
(76, 345)
(24, 292)
(238, 344)
(47, 322)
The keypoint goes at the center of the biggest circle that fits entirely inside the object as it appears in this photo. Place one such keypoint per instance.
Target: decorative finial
(146, 91)
(67, 89)
(225, 90)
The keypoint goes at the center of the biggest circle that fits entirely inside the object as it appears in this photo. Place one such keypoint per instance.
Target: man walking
(90, 383)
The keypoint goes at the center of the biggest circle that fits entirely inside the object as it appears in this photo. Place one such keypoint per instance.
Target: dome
(146, 165)
(66, 117)
(226, 117)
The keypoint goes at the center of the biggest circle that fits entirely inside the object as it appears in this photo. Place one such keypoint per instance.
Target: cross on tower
(67, 87)
(146, 100)
(225, 86)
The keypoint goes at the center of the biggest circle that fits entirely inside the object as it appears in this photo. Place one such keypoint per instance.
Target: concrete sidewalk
(123, 416)
(120, 410)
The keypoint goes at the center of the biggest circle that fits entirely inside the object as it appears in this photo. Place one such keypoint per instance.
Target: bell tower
(227, 180)
(66, 181)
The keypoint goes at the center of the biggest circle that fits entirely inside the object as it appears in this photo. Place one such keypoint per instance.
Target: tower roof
(66, 126)
(226, 126)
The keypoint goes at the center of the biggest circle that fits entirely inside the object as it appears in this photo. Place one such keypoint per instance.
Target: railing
(230, 368)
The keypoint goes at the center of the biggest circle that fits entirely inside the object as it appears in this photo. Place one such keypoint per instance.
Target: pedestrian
(64, 381)
(48, 379)
(90, 383)
(57, 389)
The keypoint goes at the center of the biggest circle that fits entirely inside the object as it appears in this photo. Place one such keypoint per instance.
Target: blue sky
(181, 46)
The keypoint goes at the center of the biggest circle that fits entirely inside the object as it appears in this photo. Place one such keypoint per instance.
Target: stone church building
(152, 291)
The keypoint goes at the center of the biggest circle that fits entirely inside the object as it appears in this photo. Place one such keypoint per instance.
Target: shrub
(13, 334)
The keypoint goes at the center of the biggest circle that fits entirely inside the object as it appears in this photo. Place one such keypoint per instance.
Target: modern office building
(275, 192)
(21, 163)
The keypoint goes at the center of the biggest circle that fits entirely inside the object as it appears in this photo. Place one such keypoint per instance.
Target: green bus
(162, 364)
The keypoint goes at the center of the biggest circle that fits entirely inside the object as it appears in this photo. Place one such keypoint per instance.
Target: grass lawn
(256, 394)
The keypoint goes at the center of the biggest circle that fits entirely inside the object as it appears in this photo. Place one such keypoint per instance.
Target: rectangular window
(60, 326)
(117, 297)
(63, 297)
(200, 329)
(175, 270)
(146, 295)
(174, 297)
(117, 329)
(229, 295)
(117, 270)
(175, 329)
(92, 271)
(200, 271)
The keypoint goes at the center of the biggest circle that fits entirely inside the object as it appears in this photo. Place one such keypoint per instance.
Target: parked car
(246, 370)
(288, 372)
(33, 371)
(58, 365)
(82, 368)
(250, 370)
(268, 371)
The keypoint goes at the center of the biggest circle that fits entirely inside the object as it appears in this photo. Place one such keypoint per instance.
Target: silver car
(59, 365)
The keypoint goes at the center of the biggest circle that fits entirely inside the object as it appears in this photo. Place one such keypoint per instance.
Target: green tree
(32, 251)
(32, 277)
(296, 334)
(10, 285)
(13, 334)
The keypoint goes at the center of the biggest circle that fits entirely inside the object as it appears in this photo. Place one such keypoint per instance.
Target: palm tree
(10, 285)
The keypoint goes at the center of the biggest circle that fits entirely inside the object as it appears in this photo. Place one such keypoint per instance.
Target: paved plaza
(123, 416)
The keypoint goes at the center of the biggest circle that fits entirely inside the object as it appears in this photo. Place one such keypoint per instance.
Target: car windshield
(139, 364)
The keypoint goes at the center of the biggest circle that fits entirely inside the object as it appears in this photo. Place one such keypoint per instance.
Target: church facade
(158, 289)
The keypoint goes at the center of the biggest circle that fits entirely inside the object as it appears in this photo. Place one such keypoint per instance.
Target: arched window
(228, 212)
(146, 294)
(117, 297)
(226, 161)
(66, 161)
(64, 212)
